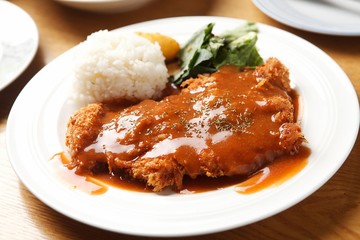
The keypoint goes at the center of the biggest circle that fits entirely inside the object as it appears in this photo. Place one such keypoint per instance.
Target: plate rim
(32, 54)
(296, 23)
(199, 232)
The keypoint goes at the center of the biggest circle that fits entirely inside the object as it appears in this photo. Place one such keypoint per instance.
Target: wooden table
(332, 212)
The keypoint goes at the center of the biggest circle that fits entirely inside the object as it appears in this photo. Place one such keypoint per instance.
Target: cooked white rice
(113, 65)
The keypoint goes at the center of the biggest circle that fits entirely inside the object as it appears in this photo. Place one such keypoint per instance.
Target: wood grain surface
(332, 212)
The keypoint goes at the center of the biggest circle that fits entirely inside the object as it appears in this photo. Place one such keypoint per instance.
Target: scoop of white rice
(113, 65)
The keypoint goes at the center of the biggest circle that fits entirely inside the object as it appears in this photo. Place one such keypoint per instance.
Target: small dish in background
(105, 6)
(19, 41)
(332, 17)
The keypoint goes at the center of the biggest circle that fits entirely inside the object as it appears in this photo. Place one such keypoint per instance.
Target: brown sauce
(274, 174)
(202, 128)
(87, 184)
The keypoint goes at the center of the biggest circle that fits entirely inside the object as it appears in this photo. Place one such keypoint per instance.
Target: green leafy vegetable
(206, 53)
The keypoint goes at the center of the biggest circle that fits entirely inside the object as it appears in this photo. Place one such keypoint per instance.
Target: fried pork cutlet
(225, 124)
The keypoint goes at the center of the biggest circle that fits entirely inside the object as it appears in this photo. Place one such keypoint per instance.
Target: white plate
(19, 41)
(334, 17)
(36, 127)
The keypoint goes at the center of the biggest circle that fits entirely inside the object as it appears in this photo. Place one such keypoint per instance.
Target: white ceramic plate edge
(30, 56)
(183, 229)
(271, 9)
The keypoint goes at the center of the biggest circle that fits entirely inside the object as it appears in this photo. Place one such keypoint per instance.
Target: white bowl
(105, 6)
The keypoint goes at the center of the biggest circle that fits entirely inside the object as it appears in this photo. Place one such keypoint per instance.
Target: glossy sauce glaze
(273, 174)
(228, 126)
